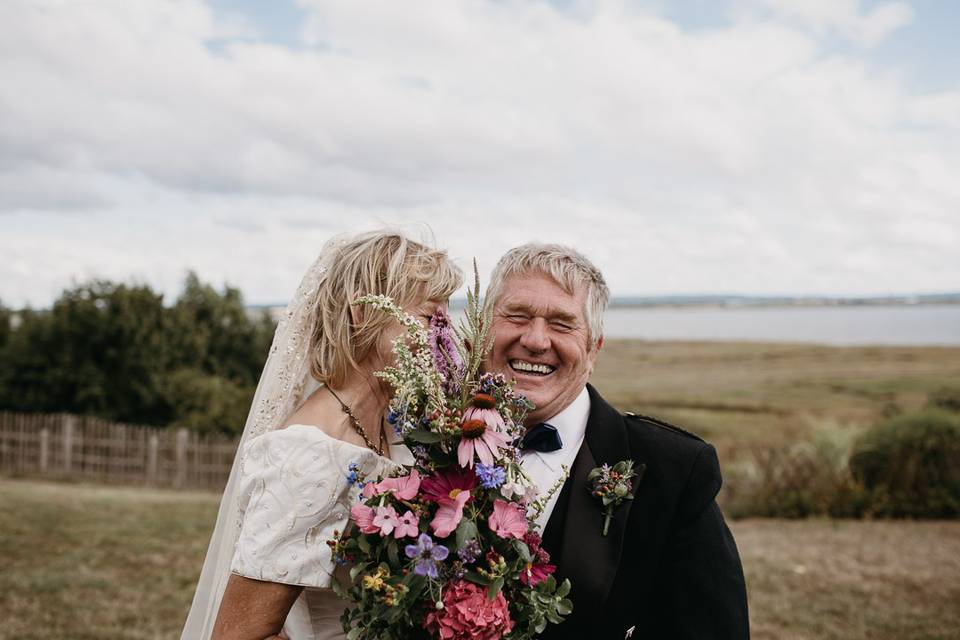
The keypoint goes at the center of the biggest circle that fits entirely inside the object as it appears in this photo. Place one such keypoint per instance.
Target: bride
(318, 410)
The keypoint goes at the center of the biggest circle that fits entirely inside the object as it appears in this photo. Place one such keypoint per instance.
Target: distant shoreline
(714, 302)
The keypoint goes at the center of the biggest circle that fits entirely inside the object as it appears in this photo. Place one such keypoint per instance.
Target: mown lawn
(85, 562)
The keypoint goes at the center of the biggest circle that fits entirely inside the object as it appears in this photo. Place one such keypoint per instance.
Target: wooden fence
(65, 446)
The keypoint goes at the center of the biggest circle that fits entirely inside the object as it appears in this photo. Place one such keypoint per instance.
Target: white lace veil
(284, 384)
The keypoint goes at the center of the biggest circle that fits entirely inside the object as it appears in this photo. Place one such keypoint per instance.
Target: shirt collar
(571, 424)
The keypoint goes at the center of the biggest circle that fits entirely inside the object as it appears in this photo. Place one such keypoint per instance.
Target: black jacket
(668, 567)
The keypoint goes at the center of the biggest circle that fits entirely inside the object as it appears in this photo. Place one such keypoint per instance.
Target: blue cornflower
(353, 473)
(469, 552)
(392, 417)
(419, 451)
(428, 555)
(491, 476)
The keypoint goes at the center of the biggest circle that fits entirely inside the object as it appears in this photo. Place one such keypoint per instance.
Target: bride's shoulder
(303, 436)
(303, 450)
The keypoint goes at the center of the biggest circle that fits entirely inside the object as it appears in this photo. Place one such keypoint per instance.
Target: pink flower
(468, 614)
(409, 525)
(440, 486)
(482, 432)
(385, 520)
(483, 408)
(403, 487)
(450, 513)
(507, 521)
(535, 573)
(477, 438)
(363, 516)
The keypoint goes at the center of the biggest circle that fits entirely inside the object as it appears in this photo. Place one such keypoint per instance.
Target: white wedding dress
(287, 491)
(293, 494)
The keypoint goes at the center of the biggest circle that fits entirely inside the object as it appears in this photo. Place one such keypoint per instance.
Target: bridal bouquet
(447, 547)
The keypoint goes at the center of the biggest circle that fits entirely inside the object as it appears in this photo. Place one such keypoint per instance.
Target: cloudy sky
(698, 146)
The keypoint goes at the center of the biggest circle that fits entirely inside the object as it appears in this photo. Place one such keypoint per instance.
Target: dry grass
(824, 580)
(741, 394)
(84, 562)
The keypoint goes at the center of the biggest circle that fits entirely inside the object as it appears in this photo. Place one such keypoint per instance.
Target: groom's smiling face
(541, 339)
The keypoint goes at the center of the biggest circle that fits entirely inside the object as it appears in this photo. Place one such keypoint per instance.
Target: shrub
(945, 398)
(909, 466)
(804, 479)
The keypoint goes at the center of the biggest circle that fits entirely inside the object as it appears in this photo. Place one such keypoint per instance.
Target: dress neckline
(323, 434)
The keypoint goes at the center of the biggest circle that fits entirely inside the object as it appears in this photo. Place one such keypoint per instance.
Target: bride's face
(423, 311)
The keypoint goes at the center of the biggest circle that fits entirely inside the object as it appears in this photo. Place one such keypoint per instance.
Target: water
(860, 325)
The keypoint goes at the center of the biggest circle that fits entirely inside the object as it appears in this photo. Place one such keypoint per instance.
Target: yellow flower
(374, 582)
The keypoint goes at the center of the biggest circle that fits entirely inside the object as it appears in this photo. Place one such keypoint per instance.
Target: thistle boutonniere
(612, 485)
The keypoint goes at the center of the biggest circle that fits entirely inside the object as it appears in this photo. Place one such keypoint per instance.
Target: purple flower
(427, 555)
(469, 552)
(444, 350)
(491, 476)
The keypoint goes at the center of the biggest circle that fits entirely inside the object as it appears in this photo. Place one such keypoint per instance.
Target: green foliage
(6, 318)
(947, 398)
(807, 478)
(115, 351)
(208, 403)
(910, 465)
(905, 466)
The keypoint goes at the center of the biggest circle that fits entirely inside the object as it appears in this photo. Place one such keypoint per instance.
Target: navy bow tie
(542, 437)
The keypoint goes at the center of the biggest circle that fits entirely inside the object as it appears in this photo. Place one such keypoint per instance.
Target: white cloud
(148, 138)
(844, 17)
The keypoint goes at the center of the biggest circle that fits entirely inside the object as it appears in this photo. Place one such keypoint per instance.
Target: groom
(668, 566)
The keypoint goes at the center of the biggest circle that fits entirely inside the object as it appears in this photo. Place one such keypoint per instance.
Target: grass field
(741, 394)
(85, 562)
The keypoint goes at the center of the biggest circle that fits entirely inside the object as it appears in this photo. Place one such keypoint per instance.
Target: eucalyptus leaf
(523, 550)
(364, 544)
(466, 530)
(494, 589)
(357, 570)
(424, 437)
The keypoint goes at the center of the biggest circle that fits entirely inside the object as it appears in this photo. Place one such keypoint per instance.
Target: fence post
(69, 423)
(153, 445)
(44, 450)
(181, 455)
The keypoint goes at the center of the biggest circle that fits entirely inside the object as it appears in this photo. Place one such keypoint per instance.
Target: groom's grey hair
(568, 267)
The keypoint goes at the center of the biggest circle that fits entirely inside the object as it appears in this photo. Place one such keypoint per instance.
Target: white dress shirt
(546, 468)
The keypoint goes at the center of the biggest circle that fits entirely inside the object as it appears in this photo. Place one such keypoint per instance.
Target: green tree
(107, 351)
(213, 332)
(114, 350)
(6, 318)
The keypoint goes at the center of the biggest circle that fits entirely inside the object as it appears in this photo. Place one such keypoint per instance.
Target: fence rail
(66, 446)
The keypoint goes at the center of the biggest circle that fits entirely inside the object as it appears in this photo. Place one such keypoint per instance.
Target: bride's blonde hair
(377, 262)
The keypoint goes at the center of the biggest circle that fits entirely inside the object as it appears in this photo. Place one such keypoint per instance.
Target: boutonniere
(612, 486)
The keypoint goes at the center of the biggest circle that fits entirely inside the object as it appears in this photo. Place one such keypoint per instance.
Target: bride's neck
(367, 397)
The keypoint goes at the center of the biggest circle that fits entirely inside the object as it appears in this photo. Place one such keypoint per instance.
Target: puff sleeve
(293, 495)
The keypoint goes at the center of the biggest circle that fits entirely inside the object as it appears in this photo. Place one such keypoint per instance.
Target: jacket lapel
(586, 556)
